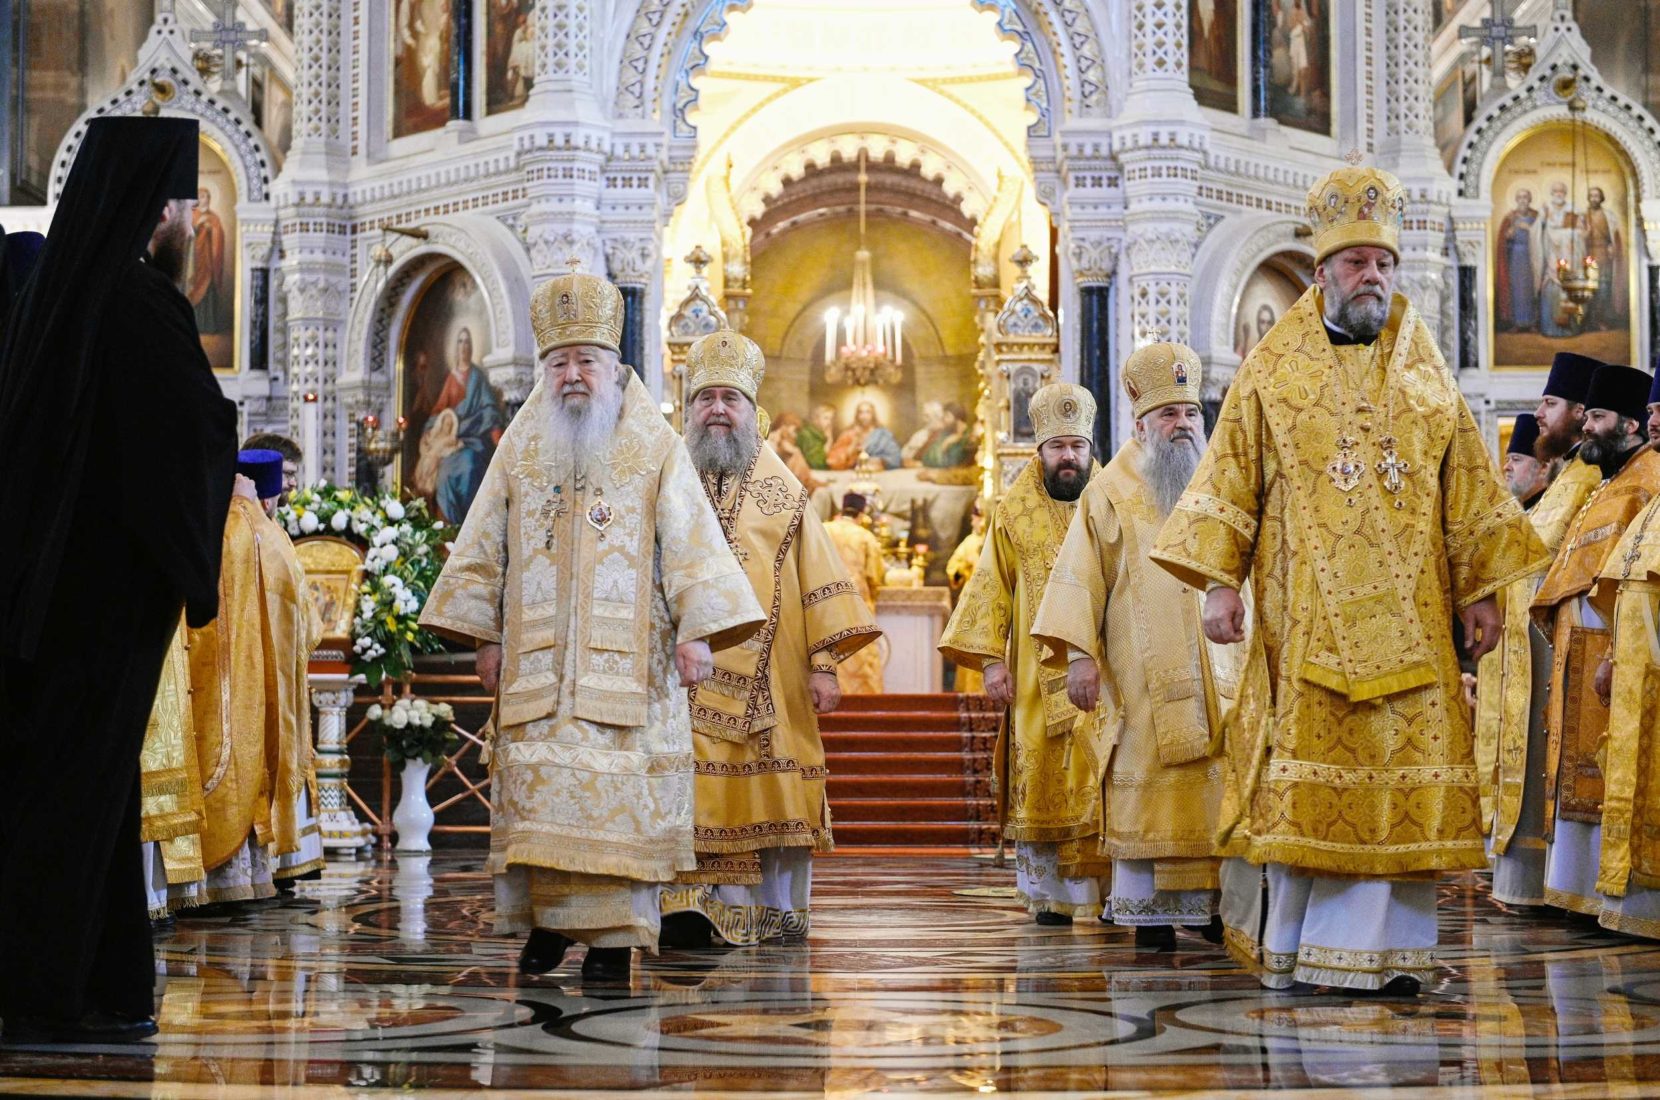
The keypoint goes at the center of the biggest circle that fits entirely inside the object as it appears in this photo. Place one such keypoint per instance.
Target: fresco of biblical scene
(1553, 221)
(211, 284)
(1213, 53)
(455, 417)
(1299, 64)
(509, 53)
(420, 66)
(1271, 289)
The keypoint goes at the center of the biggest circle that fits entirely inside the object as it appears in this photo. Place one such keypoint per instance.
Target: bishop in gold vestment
(1577, 719)
(1048, 763)
(1510, 695)
(595, 577)
(861, 554)
(759, 806)
(1347, 479)
(1129, 634)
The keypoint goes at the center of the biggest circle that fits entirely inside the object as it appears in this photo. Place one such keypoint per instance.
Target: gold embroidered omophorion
(1372, 769)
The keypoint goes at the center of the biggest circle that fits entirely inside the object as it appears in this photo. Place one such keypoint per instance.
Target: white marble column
(331, 693)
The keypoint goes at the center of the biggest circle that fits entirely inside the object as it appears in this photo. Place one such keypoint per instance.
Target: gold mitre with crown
(725, 358)
(1162, 374)
(577, 308)
(1060, 408)
(1356, 206)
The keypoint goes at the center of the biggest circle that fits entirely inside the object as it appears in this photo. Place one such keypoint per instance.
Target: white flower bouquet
(414, 729)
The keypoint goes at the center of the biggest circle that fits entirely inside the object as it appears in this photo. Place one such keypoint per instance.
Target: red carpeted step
(897, 763)
(945, 701)
(905, 810)
(900, 741)
(846, 786)
(836, 722)
(969, 833)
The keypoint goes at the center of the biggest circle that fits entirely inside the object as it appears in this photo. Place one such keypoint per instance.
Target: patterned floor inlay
(921, 975)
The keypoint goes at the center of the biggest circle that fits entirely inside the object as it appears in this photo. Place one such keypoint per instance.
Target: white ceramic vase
(413, 817)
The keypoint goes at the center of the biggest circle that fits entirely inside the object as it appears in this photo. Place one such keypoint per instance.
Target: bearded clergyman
(1128, 635)
(1348, 480)
(1047, 762)
(595, 579)
(759, 808)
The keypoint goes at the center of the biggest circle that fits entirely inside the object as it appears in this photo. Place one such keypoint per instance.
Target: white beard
(1168, 465)
(585, 430)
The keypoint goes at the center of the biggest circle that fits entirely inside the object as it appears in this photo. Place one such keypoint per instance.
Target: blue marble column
(1095, 358)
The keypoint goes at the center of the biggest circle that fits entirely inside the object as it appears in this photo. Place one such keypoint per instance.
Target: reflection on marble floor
(920, 975)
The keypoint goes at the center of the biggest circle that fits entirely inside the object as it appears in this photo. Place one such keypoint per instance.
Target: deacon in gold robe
(1047, 763)
(1128, 633)
(1511, 680)
(1628, 598)
(1576, 718)
(1347, 479)
(958, 569)
(595, 578)
(759, 807)
(171, 826)
(250, 705)
(861, 554)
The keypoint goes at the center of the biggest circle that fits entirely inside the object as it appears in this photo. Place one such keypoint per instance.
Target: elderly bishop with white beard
(595, 580)
(761, 811)
(1130, 638)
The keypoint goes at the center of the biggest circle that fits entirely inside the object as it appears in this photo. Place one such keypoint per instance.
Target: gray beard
(1362, 318)
(582, 431)
(725, 455)
(1168, 465)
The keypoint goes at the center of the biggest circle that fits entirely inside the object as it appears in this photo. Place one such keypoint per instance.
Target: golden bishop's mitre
(577, 308)
(1356, 206)
(1061, 408)
(1162, 374)
(725, 358)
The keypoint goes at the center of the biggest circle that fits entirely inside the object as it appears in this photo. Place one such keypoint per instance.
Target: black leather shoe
(607, 965)
(94, 1027)
(1159, 937)
(543, 951)
(686, 932)
(1052, 920)
(1401, 986)
(1212, 931)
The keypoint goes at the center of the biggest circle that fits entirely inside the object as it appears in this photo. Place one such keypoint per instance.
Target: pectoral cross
(552, 511)
(1497, 32)
(1392, 467)
(229, 34)
(1345, 468)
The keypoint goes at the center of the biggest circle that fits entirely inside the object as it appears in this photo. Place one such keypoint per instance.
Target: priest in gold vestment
(861, 553)
(1511, 683)
(1128, 634)
(1049, 759)
(171, 827)
(595, 578)
(1348, 480)
(250, 705)
(1576, 718)
(759, 807)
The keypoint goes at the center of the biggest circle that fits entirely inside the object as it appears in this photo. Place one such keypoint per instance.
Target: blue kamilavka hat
(264, 469)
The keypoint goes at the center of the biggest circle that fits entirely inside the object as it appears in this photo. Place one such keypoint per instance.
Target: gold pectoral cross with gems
(552, 511)
(1392, 466)
(1345, 469)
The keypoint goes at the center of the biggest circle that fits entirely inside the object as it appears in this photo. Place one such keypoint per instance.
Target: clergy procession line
(1231, 666)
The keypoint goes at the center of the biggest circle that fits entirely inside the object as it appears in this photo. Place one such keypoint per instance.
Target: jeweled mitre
(1356, 206)
(1162, 374)
(725, 358)
(577, 308)
(1061, 408)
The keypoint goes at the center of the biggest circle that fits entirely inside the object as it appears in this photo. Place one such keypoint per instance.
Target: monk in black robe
(117, 454)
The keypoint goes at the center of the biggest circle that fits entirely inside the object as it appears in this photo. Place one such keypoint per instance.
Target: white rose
(389, 554)
(293, 527)
(394, 511)
(444, 710)
(308, 522)
(375, 712)
(340, 521)
(399, 719)
(421, 705)
(423, 719)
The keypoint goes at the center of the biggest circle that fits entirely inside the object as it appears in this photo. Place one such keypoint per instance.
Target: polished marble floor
(921, 975)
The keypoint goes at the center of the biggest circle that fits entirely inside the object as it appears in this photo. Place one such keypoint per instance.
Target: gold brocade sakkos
(1164, 687)
(760, 761)
(172, 781)
(1628, 596)
(1505, 675)
(1352, 486)
(861, 555)
(1048, 778)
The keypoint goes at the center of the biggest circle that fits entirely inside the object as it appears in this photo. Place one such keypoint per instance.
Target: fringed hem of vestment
(738, 925)
(1115, 848)
(1048, 834)
(1628, 925)
(170, 826)
(634, 933)
(563, 856)
(1573, 903)
(801, 835)
(1326, 966)
(303, 869)
(257, 892)
(1356, 862)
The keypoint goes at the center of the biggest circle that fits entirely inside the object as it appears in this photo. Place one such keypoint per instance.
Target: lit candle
(881, 331)
(830, 316)
(898, 342)
(847, 328)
